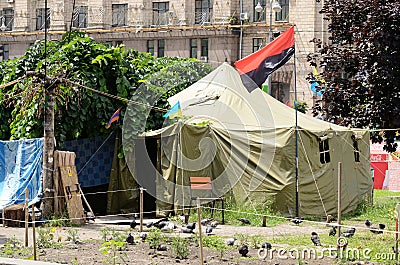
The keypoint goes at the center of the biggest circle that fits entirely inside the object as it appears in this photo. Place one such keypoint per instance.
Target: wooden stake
(397, 234)
(200, 235)
(141, 209)
(33, 232)
(264, 223)
(26, 216)
(339, 204)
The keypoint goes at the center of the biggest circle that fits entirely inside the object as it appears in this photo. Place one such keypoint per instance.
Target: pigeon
(133, 224)
(160, 225)
(244, 221)
(209, 229)
(296, 220)
(182, 218)
(349, 233)
(214, 224)
(143, 236)
(375, 230)
(330, 219)
(266, 245)
(187, 230)
(171, 226)
(130, 239)
(149, 224)
(191, 226)
(382, 226)
(206, 221)
(162, 247)
(315, 239)
(394, 249)
(231, 241)
(368, 223)
(243, 250)
(332, 232)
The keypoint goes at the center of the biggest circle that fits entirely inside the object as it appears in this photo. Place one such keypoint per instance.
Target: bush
(180, 248)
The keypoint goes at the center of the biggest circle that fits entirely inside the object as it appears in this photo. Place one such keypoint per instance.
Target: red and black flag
(259, 65)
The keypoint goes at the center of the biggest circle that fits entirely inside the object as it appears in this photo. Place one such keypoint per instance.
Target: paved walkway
(6, 261)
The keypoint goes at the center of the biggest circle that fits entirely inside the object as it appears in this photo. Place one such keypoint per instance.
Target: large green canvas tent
(246, 141)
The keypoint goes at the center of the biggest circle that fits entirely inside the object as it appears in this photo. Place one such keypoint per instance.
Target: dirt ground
(87, 249)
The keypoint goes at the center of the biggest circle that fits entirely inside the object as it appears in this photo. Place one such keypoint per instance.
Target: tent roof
(221, 97)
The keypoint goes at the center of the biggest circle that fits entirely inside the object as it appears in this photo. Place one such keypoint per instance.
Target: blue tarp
(93, 159)
(20, 168)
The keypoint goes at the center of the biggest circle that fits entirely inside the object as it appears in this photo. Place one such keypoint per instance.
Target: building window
(160, 10)
(284, 14)
(280, 91)
(150, 47)
(324, 156)
(119, 15)
(5, 52)
(193, 48)
(356, 149)
(80, 18)
(203, 11)
(160, 48)
(204, 47)
(8, 18)
(259, 16)
(42, 17)
(257, 44)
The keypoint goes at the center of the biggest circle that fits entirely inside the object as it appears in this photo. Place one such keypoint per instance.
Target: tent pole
(297, 136)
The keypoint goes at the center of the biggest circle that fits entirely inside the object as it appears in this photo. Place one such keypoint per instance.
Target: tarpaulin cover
(20, 168)
(246, 143)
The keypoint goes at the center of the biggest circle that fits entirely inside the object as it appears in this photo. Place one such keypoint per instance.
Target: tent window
(356, 150)
(324, 155)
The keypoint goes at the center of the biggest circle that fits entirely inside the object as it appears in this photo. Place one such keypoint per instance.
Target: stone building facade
(214, 31)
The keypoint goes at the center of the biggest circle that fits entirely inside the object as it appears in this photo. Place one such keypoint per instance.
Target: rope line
(12, 82)
(113, 96)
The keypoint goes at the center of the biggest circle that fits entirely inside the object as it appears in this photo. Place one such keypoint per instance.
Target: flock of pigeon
(348, 233)
(210, 224)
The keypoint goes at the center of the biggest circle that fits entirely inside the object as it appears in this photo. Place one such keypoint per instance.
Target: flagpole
(297, 135)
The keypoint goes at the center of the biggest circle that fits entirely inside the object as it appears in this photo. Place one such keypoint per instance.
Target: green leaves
(360, 66)
(81, 113)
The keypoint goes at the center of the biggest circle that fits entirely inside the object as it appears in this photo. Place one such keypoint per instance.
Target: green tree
(78, 61)
(360, 66)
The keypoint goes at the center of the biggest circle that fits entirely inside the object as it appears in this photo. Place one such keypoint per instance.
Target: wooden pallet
(72, 194)
(14, 215)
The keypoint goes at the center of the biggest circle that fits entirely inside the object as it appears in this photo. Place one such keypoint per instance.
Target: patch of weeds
(60, 220)
(105, 233)
(14, 248)
(217, 243)
(255, 241)
(180, 248)
(46, 237)
(117, 236)
(111, 249)
(73, 235)
(242, 239)
(155, 238)
(252, 212)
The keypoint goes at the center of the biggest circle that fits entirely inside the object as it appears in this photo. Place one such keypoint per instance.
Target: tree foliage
(360, 65)
(79, 112)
